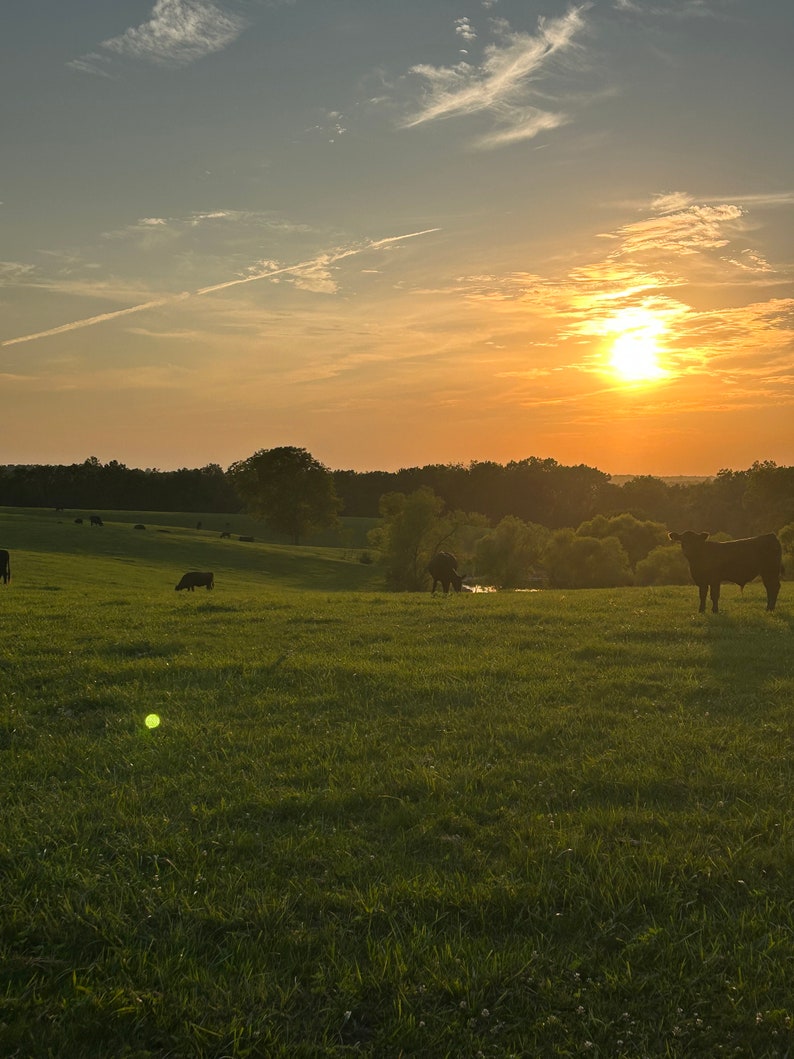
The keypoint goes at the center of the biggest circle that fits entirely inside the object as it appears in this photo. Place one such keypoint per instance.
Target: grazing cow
(5, 566)
(195, 579)
(139, 525)
(95, 520)
(712, 562)
(443, 568)
(225, 534)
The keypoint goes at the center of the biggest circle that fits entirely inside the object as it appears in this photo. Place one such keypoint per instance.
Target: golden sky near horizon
(395, 238)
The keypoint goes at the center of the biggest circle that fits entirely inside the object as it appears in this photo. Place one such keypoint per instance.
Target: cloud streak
(313, 272)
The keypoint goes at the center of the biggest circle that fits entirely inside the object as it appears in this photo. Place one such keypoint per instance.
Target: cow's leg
(715, 597)
(772, 586)
(703, 589)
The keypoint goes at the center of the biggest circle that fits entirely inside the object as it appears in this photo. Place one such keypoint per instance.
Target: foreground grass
(540, 824)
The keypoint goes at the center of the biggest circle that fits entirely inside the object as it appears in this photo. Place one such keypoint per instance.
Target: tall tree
(288, 489)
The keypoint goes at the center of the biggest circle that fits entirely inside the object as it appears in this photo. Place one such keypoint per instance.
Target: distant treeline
(114, 487)
(542, 491)
(535, 490)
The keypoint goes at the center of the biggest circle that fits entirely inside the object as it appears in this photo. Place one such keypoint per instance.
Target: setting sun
(635, 349)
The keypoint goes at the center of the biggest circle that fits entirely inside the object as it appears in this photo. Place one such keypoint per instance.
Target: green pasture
(390, 825)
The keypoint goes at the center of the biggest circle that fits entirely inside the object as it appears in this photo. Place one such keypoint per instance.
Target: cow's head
(690, 541)
(456, 580)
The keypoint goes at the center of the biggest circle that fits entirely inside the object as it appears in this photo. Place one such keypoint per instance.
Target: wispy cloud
(680, 231)
(12, 272)
(178, 32)
(674, 8)
(503, 85)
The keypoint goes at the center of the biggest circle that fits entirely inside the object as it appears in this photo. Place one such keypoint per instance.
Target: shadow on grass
(751, 660)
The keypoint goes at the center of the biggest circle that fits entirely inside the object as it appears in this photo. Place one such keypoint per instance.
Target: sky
(398, 232)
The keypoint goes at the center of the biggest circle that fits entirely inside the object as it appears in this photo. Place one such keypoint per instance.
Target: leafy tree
(665, 565)
(646, 497)
(288, 489)
(637, 538)
(575, 561)
(510, 553)
(769, 497)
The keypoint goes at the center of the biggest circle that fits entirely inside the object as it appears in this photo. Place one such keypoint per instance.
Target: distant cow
(712, 562)
(139, 525)
(78, 522)
(443, 568)
(95, 520)
(195, 579)
(5, 566)
(225, 534)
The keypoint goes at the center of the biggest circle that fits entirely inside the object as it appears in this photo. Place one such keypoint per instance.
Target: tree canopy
(288, 489)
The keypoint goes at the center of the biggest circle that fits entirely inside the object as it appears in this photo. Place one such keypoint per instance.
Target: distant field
(503, 824)
(50, 548)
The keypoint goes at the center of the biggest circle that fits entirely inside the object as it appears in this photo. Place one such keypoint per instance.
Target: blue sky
(398, 233)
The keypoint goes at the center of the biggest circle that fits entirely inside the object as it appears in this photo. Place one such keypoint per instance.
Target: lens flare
(152, 721)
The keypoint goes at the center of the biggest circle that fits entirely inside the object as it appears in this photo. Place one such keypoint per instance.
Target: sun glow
(635, 347)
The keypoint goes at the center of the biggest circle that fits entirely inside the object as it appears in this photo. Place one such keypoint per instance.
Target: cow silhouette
(443, 568)
(195, 579)
(712, 562)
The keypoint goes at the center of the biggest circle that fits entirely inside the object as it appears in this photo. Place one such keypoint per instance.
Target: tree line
(114, 487)
(537, 491)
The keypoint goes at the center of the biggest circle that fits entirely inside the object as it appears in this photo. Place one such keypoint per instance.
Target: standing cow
(95, 520)
(5, 566)
(195, 579)
(712, 562)
(443, 568)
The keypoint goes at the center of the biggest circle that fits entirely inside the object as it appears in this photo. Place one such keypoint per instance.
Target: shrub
(665, 565)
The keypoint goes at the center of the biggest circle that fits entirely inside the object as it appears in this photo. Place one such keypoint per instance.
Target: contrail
(374, 244)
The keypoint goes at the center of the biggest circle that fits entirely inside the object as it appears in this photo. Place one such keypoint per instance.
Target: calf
(195, 579)
(712, 562)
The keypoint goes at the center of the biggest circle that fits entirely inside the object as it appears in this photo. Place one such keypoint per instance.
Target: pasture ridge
(500, 824)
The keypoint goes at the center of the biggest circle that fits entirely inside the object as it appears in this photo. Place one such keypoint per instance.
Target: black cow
(95, 520)
(5, 566)
(139, 525)
(195, 579)
(443, 568)
(712, 562)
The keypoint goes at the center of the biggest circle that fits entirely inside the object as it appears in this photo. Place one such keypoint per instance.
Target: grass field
(504, 824)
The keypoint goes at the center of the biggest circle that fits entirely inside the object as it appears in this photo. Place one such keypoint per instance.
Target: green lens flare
(152, 721)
